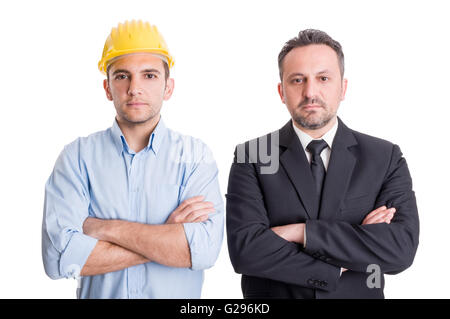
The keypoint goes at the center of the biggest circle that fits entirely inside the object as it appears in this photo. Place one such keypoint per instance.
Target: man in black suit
(337, 211)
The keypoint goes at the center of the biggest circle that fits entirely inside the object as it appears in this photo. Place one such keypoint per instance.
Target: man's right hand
(192, 210)
(380, 215)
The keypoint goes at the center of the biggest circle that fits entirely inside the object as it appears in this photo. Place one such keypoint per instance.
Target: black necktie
(315, 147)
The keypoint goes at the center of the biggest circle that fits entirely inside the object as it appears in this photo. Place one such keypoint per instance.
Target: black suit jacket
(363, 173)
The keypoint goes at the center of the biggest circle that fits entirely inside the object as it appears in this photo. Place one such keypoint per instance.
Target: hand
(192, 210)
(380, 215)
(292, 232)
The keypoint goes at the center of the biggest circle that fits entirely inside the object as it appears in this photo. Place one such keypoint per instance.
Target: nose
(135, 87)
(310, 89)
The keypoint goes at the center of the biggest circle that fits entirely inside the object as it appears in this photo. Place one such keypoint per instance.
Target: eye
(120, 77)
(324, 78)
(150, 76)
(297, 80)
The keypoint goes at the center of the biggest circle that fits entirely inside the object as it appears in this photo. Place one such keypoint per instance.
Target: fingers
(189, 201)
(382, 217)
(193, 209)
(202, 214)
(375, 212)
(379, 215)
(201, 219)
(390, 215)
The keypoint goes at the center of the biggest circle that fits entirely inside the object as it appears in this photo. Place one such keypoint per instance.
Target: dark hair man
(340, 210)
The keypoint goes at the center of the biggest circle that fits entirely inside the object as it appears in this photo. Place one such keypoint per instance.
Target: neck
(318, 133)
(137, 135)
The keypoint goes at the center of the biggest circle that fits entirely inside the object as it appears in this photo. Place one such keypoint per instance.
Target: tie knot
(315, 147)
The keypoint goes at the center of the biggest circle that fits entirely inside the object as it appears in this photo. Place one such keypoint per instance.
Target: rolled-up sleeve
(205, 238)
(65, 248)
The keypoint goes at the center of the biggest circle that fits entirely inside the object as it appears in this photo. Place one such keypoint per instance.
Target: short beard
(306, 122)
(130, 121)
(138, 122)
(310, 125)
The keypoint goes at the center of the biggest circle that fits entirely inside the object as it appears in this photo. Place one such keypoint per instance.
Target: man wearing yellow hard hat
(134, 211)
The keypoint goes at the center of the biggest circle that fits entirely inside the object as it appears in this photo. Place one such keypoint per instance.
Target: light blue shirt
(100, 176)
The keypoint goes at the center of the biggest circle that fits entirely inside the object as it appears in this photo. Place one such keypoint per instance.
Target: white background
(397, 63)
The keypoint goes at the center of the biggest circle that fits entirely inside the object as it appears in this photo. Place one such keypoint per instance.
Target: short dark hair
(307, 37)
(166, 71)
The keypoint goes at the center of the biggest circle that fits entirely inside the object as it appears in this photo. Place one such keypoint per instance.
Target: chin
(138, 116)
(311, 123)
(137, 119)
(142, 121)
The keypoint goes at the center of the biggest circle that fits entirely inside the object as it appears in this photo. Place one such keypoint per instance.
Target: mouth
(136, 104)
(311, 106)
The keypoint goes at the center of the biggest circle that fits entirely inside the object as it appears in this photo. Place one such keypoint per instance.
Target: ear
(168, 90)
(344, 88)
(107, 90)
(280, 92)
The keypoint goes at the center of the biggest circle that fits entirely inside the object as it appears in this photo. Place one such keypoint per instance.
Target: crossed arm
(296, 233)
(392, 246)
(123, 244)
(75, 244)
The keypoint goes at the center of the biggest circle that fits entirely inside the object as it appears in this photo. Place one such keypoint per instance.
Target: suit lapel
(294, 162)
(339, 172)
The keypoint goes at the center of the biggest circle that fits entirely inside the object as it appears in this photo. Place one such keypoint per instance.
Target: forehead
(311, 58)
(136, 62)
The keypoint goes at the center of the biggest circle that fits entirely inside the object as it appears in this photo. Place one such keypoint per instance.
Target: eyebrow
(150, 71)
(143, 71)
(326, 71)
(295, 74)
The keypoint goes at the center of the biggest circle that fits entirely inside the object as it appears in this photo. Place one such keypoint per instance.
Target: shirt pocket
(164, 202)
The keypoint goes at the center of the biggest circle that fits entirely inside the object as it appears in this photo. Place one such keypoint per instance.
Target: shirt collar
(305, 139)
(154, 142)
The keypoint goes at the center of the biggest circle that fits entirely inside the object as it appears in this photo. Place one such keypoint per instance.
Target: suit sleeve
(255, 250)
(390, 246)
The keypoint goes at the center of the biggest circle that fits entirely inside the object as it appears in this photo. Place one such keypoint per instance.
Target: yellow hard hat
(133, 37)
